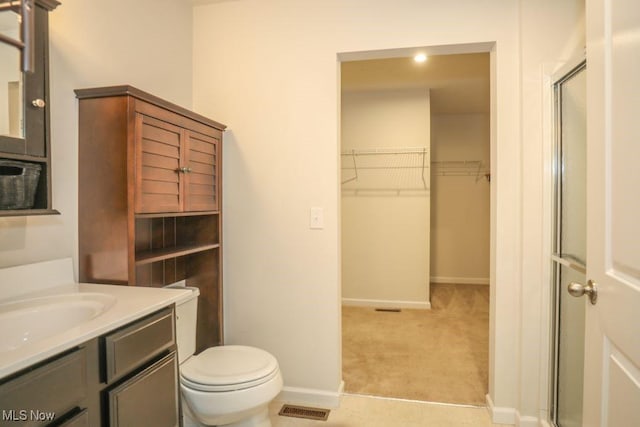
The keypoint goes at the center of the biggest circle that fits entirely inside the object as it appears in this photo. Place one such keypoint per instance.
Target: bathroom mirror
(24, 66)
(24, 111)
(11, 81)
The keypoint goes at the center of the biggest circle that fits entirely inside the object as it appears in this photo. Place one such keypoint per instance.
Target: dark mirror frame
(24, 8)
(35, 146)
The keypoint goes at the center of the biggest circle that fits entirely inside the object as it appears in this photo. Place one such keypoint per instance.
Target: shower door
(569, 252)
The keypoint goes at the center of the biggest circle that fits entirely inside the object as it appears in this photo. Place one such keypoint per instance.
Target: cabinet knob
(184, 169)
(38, 103)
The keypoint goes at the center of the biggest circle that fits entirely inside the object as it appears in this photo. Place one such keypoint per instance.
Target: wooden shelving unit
(150, 197)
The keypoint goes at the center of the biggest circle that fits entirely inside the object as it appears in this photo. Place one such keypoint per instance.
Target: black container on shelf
(18, 184)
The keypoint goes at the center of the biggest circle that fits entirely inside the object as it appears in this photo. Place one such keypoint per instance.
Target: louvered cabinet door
(159, 156)
(201, 182)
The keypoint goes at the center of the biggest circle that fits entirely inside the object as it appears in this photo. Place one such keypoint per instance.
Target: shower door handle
(578, 289)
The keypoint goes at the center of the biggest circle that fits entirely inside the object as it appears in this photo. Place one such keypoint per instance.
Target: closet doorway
(415, 176)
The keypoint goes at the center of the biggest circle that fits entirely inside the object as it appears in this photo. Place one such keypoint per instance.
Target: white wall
(146, 43)
(269, 70)
(385, 233)
(460, 204)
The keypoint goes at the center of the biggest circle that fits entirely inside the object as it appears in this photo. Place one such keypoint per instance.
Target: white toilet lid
(229, 367)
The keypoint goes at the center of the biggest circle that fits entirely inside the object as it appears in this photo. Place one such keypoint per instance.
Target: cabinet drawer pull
(81, 419)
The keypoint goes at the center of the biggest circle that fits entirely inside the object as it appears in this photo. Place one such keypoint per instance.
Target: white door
(612, 341)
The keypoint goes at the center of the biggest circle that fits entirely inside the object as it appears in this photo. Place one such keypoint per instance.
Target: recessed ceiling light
(421, 57)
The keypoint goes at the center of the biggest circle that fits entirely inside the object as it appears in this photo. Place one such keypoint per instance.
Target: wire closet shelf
(404, 168)
(400, 168)
(475, 168)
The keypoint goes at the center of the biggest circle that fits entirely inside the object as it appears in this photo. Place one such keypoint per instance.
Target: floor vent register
(304, 412)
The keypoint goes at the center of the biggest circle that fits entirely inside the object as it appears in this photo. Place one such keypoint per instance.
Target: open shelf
(176, 214)
(166, 245)
(171, 252)
(28, 212)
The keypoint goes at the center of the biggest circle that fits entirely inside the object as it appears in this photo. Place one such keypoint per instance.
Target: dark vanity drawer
(53, 389)
(150, 398)
(135, 344)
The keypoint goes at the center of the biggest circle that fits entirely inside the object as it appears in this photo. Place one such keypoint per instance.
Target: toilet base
(259, 419)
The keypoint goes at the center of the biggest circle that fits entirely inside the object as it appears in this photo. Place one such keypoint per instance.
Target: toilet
(230, 385)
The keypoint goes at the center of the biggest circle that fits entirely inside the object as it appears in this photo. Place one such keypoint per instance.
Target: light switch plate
(316, 218)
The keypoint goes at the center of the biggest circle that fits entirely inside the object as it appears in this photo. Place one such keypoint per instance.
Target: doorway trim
(506, 415)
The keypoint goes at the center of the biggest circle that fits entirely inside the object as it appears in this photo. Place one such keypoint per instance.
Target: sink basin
(26, 321)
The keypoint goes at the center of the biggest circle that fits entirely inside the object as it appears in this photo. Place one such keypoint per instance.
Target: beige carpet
(437, 355)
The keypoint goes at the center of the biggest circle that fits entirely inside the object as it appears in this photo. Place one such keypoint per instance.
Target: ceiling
(459, 83)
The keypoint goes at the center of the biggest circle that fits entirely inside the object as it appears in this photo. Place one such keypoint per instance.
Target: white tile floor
(365, 411)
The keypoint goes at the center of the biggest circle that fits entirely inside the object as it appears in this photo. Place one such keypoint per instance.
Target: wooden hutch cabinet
(150, 197)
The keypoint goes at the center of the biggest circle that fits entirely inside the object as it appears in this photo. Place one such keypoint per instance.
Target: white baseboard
(545, 423)
(311, 397)
(501, 415)
(359, 302)
(461, 280)
(526, 420)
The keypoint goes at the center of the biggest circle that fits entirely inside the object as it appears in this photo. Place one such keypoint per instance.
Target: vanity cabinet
(141, 371)
(148, 398)
(53, 391)
(127, 377)
(27, 135)
(150, 197)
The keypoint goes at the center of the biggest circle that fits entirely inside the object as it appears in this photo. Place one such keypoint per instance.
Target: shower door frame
(556, 260)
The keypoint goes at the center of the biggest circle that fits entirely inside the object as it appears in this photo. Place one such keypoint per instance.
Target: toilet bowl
(225, 385)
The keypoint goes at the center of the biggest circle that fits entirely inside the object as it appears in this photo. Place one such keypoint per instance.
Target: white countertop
(130, 303)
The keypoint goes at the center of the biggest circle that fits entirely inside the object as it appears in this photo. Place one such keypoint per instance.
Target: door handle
(578, 289)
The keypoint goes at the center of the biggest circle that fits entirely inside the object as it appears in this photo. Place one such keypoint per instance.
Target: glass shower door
(569, 246)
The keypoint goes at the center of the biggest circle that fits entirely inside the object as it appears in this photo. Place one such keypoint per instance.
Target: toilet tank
(186, 320)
